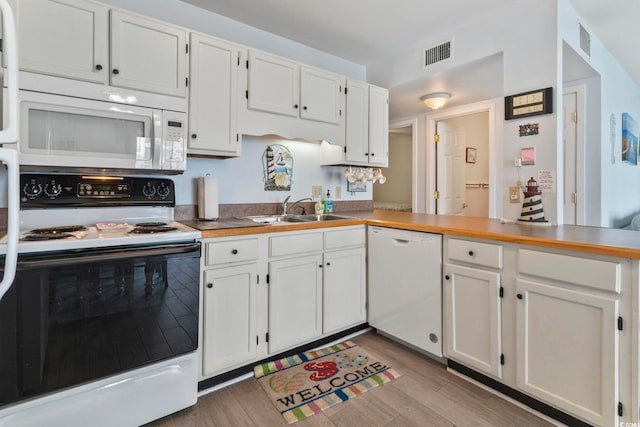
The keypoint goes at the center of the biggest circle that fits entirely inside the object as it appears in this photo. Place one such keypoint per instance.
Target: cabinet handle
(373, 154)
(194, 136)
(304, 108)
(116, 71)
(98, 67)
(328, 264)
(366, 154)
(447, 277)
(320, 266)
(295, 106)
(470, 253)
(209, 285)
(234, 251)
(519, 296)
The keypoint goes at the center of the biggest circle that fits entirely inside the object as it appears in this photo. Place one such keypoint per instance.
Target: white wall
(399, 174)
(524, 31)
(619, 182)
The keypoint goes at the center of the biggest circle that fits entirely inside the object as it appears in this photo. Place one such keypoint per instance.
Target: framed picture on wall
(471, 155)
(629, 139)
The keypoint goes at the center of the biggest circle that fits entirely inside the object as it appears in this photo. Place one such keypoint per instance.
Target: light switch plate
(316, 191)
(338, 193)
(515, 195)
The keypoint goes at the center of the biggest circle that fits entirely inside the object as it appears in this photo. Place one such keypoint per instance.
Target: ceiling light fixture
(436, 100)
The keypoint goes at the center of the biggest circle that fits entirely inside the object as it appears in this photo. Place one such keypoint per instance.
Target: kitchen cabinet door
(273, 84)
(295, 301)
(344, 289)
(213, 97)
(567, 350)
(357, 122)
(472, 308)
(66, 38)
(229, 318)
(378, 126)
(320, 95)
(148, 55)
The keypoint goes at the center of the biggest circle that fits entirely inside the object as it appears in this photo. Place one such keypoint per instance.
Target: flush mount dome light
(436, 100)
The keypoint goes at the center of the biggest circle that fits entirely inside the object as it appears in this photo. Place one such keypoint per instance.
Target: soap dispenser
(328, 203)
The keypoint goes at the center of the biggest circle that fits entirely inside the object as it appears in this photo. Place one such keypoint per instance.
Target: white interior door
(570, 140)
(450, 170)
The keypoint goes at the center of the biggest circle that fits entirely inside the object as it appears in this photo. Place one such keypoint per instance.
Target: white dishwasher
(405, 286)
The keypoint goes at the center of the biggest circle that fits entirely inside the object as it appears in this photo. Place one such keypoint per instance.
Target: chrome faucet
(286, 207)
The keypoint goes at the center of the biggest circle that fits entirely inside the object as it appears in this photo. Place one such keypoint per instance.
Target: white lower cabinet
(567, 350)
(229, 317)
(473, 332)
(295, 301)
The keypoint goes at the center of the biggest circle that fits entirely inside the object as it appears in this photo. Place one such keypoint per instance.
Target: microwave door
(9, 135)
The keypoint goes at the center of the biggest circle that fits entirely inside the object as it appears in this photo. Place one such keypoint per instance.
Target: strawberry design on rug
(307, 383)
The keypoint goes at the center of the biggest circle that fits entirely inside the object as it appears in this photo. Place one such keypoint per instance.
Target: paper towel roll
(208, 198)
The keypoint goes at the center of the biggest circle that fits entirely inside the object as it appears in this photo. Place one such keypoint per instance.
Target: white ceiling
(363, 31)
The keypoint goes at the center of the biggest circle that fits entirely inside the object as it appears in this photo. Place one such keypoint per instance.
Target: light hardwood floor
(425, 395)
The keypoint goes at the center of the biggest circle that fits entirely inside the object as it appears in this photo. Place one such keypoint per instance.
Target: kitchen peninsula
(543, 313)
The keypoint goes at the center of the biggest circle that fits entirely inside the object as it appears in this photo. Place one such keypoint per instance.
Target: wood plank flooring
(425, 395)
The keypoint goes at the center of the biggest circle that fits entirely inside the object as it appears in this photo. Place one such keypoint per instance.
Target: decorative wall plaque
(528, 104)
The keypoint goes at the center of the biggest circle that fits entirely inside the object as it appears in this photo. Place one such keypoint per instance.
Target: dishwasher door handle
(401, 241)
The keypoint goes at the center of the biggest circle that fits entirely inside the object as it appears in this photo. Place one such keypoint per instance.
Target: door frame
(581, 96)
(416, 205)
(490, 107)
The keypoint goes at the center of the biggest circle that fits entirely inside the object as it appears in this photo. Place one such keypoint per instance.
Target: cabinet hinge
(436, 195)
(237, 137)
(620, 323)
(345, 90)
(436, 138)
(257, 279)
(267, 278)
(501, 292)
(340, 90)
(575, 117)
(247, 63)
(246, 94)
(340, 112)
(620, 409)
(267, 337)
(502, 359)
(1, 45)
(257, 340)
(186, 81)
(186, 48)
(238, 60)
(345, 149)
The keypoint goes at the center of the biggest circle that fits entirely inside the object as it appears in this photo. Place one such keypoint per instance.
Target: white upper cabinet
(213, 94)
(74, 39)
(320, 95)
(272, 84)
(65, 38)
(147, 55)
(357, 122)
(378, 126)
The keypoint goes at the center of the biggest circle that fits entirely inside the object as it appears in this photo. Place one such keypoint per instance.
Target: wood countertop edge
(459, 231)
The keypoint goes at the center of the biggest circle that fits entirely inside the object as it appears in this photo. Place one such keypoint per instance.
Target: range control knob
(32, 190)
(53, 190)
(163, 191)
(149, 190)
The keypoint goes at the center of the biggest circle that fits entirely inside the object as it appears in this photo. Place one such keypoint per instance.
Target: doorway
(573, 106)
(460, 166)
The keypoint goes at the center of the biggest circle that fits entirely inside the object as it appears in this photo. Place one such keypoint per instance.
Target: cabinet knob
(234, 251)
(194, 136)
(295, 106)
(470, 253)
(519, 296)
(447, 277)
(209, 285)
(328, 263)
(320, 266)
(373, 154)
(366, 154)
(304, 108)
(116, 71)
(98, 67)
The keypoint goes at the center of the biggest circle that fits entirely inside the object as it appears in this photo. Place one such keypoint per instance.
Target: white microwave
(69, 133)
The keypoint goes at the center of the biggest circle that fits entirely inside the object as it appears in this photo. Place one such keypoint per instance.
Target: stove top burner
(59, 229)
(39, 235)
(152, 229)
(151, 224)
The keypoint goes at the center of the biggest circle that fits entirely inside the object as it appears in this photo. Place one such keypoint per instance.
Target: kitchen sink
(322, 217)
(287, 219)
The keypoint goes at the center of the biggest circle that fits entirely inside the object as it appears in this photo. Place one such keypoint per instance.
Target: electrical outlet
(338, 193)
(316, 191)
(515, 195)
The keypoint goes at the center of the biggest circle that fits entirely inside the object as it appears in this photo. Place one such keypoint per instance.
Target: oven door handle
(110, 255)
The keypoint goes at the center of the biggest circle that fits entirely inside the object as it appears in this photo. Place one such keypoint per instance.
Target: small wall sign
(472, 154)
(529, 129)
(528, 104)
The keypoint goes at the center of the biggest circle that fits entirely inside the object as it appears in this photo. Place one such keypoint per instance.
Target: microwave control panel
(52, 190)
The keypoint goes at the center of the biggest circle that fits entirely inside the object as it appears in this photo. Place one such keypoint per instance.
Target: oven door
(69, 132)
(77, 316)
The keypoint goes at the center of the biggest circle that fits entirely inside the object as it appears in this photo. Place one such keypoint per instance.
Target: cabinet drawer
(231, 251)
(286, 244)
(485, 254)
(340, 238)
(588, 272)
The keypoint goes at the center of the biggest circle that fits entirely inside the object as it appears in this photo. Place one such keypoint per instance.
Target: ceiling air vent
(437, 53)
(585, 40)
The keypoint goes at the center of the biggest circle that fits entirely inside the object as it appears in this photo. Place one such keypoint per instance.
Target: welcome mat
(307, 383)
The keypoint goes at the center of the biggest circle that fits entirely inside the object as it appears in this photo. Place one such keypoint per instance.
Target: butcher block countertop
(594, 240)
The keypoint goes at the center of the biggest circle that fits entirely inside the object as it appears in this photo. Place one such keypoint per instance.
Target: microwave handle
(10, 132)
(10, 158)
